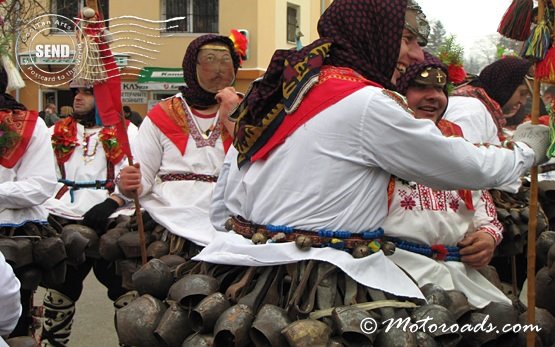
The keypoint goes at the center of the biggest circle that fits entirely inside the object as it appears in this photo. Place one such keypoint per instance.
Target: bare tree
(14, 14)
(490, 49)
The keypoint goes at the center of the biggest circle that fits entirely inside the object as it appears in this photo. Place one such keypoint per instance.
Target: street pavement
(94, 317)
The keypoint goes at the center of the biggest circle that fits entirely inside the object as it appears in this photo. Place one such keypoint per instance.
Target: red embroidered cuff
(497, 236)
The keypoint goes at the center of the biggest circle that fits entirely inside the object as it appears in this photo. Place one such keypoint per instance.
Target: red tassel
(516, 21)
(545, 69)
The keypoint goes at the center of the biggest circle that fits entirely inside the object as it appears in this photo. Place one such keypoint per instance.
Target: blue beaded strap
(367, 235)
(336, 238)
(452, 252)
(73, 186)
(279, 229)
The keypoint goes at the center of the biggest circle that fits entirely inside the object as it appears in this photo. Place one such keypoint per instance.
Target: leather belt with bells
(359, 245)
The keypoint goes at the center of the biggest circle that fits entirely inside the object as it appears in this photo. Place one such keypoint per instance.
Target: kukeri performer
(316, 142)
(184, 141)
(27, 180)
(89, 158)
(442, 237)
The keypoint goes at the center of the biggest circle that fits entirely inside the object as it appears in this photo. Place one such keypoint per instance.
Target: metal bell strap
(358, 244)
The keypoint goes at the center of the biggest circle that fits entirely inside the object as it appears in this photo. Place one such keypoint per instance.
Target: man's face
(427, 101)
(83, 102)
(215, 69)
(410, 51)
(517, 100)
(547, 98)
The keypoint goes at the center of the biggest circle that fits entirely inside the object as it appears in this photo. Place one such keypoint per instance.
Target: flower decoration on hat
(451, 54)
(240, 43)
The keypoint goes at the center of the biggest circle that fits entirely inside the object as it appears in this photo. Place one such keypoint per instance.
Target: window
(201, 16)
(66, 8)
(70, 9)
(292, 22)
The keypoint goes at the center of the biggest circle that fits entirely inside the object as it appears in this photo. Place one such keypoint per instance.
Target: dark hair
(550, 90)
(126, 109)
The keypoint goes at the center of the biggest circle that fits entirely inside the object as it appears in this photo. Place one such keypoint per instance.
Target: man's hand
(97, 217)
(536, 136)
(228, 100)
(130, 180)
(476, 249)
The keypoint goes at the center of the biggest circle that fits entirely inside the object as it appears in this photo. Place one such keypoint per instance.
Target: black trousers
(23, 327)
(104, 271)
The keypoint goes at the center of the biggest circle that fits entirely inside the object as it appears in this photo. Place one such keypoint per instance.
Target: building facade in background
(149, 46)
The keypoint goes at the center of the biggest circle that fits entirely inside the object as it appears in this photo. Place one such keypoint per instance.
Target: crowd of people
(348, 173)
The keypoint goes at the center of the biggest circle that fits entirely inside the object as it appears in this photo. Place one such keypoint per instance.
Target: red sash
(334, 84)
(169, 117)
(23, 124)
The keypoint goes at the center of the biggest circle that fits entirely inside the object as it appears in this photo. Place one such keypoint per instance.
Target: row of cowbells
(513, 212)
(147, 321)
(40, 255)
(123, 240)
(195, 310)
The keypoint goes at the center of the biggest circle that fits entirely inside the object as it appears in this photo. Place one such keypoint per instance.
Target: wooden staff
(140, 226)
(533, 220)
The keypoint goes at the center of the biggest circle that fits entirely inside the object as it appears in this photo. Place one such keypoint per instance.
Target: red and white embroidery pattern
(492, 212)
(408, 203)
(413, 195)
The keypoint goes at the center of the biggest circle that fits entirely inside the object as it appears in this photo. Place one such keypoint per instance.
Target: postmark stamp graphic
(46, 41)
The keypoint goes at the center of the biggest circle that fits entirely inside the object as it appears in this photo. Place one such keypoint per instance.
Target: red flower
(457, 74)
(408, 203)
(108, 137)
(240, 43)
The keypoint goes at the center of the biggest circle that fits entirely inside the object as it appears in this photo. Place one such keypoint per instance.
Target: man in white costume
(183, 143)
(89, 158)
(27, 180)
(426, 222)
(319, 137)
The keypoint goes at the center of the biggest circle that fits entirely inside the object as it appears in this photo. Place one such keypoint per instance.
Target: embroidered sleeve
(485, 217)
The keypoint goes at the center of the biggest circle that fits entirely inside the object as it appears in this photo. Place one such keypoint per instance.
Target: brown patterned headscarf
(193, 92)
(501, 78)
(495, 85)
(363, 35)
